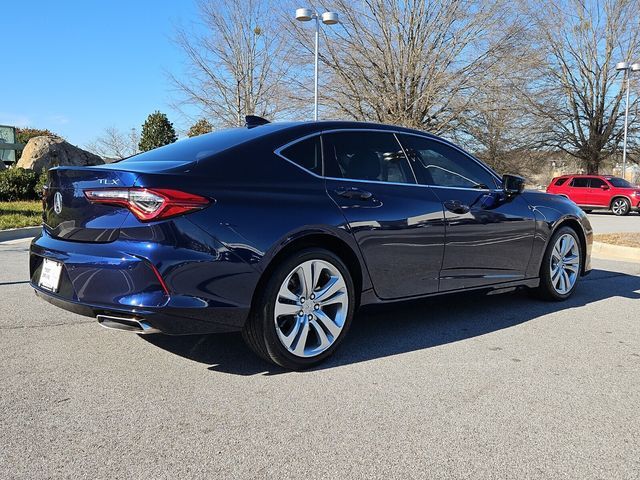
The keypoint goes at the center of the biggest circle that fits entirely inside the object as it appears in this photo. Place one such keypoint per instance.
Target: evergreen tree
(201, 127)
(157, 131)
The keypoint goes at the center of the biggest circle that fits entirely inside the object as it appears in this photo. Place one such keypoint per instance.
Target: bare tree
(115, 144)
(412, 62)
(235, 66)
(500, 132)
(498, 126)
(575, 87)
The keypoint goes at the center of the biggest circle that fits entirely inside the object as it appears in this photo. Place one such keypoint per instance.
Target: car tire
(620, 206)
(561, 266)
(297, 326)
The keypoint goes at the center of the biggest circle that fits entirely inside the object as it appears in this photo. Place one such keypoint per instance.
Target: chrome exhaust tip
(126, 324)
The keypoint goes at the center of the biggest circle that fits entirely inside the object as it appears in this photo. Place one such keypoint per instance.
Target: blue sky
(78, 66)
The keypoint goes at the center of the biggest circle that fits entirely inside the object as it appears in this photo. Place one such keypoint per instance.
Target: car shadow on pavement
(394, 329)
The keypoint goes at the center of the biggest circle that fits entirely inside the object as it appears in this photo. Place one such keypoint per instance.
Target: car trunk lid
(67, 212)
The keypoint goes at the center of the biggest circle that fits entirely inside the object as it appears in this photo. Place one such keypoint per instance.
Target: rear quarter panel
(263, 203)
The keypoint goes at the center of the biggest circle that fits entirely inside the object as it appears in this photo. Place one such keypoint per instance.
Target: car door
(398, 224)
(489, 235)
(598, 192)
(579, 190)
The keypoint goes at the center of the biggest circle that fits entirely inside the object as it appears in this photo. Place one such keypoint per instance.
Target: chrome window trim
(278, 152)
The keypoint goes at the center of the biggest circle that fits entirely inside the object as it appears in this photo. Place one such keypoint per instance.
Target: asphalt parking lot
(501, 386)
(604, 222)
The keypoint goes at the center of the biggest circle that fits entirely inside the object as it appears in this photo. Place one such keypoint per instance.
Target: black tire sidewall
(272, 344)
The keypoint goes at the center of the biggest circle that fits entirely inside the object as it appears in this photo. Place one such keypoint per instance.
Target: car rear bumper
(177, 287)
(168, 320)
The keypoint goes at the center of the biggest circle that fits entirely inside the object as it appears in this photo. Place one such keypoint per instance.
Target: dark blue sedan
(281, 231)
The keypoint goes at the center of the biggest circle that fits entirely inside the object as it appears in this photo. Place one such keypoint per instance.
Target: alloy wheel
(619, 206)
(311, 308)
(565, 264)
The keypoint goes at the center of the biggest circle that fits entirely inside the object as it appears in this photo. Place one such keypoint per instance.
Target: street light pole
(624, 66)
(315, 74)
(328, 18)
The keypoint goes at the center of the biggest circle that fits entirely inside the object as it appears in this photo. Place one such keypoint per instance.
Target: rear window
(560, 181)
(202, 146)
(619, 182)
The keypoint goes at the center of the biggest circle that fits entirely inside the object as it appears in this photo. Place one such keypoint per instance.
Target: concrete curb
(18, 233)
(615, 252)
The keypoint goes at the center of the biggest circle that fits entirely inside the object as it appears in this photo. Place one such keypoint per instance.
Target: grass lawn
(20, 214)
(622, 239)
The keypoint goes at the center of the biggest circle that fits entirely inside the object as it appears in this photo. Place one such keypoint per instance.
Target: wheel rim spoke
(305, 273)
(336, 298)
(289, 339)
(334, 285)
(329, 324)
(571, 268)
(287, 294)
(283, 309)
(554, 274)
(302, 340)
(572, 260)
(324, 342)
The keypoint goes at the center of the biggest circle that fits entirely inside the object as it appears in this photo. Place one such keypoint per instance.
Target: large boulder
(42, 153)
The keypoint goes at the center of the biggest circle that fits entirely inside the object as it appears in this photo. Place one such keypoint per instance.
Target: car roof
(294, 130)
(585, 175)
(321, 125)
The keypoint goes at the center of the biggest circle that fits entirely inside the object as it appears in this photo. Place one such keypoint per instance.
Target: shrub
(23, 135)
(42, 181)
(157, 131)
(201, 127)
(18, 184)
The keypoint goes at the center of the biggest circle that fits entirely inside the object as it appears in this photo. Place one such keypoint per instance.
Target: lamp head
(635, 67)
(622, 66)
(304, 14)
(330, 18)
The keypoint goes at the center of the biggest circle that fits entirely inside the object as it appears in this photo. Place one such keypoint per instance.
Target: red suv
(598, 191)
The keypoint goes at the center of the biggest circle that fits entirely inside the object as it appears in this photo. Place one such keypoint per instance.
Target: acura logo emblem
(57, 203)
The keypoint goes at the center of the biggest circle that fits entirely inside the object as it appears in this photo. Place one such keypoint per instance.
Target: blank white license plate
(50, 275)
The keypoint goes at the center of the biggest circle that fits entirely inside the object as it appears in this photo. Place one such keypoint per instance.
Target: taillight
(149, 203)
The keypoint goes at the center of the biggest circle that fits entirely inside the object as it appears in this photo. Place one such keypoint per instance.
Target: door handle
(354, 192)
(456, 206)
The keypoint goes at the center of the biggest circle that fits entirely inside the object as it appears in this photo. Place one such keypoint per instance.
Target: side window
(580, 182)
(438, 164)
(596, 183)
(373, 156)
(560, 181)
(306, 153)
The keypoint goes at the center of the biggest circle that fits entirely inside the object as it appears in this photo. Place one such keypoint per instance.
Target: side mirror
(604, 187)
(512, 184)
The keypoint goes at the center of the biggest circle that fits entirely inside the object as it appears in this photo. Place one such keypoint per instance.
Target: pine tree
(157, 131)
(201, 127)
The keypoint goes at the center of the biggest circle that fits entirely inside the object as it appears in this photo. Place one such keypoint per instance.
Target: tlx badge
(108, 181)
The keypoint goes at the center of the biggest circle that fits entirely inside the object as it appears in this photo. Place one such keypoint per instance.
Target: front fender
(552, 212)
